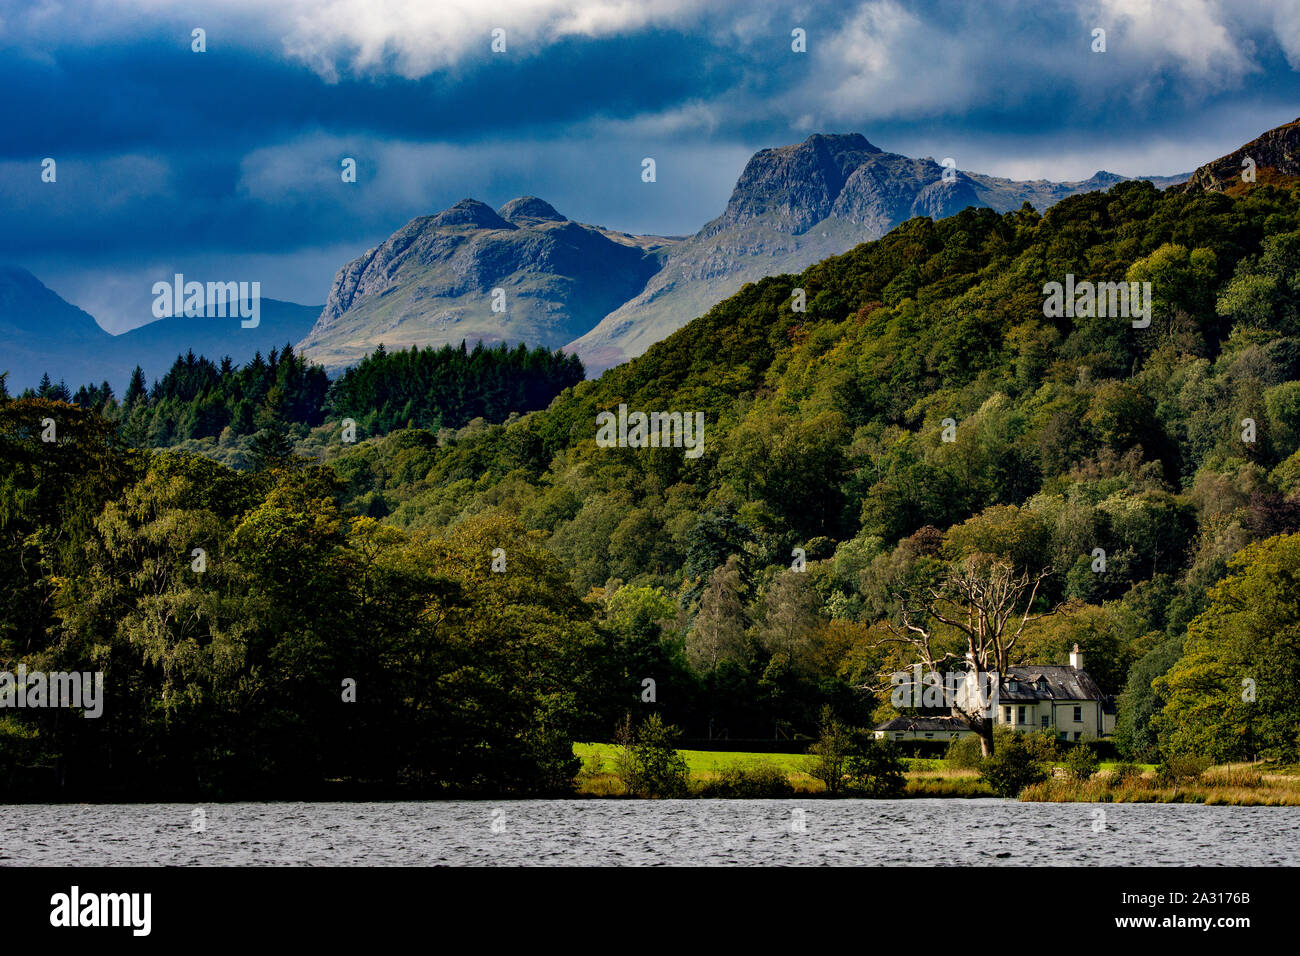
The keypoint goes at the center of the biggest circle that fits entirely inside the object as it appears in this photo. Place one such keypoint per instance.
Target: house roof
(924, 723)
(1048, 682)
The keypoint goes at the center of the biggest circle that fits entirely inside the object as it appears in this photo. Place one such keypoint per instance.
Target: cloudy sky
(226, 164)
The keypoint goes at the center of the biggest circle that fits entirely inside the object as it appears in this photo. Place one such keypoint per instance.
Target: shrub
(1012, 767)
(1104, 749)
(1122, 773)
(1042, 743)
(831, 752)
(1081, 762)
(965, 753)
(1182, 768)
(757, 781)
(648, 762)
(875, 768)
(593, 766)
(554, 764)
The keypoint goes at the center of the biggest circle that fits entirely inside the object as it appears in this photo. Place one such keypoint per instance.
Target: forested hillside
(499, 591)
(825, 432)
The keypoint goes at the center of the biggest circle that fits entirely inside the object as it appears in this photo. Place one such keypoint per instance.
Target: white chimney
(1076, 658)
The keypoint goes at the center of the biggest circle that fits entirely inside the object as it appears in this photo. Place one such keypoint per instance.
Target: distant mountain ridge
(797, 205)
(602, 294)
(522, 273)
(42, 333)
(608, 296)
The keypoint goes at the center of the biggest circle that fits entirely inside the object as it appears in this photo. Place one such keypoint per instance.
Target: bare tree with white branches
(990, 603)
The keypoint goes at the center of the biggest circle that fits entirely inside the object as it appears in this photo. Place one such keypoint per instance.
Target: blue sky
(225, 164)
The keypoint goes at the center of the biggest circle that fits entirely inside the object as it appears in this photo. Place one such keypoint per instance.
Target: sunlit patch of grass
(597, 777)
(1238, 784)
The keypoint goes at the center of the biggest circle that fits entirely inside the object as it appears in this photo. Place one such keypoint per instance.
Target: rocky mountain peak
(1276, 156)
(523, 273)
(844, 142)
(471, 212)
(797, 185)
(528, 209)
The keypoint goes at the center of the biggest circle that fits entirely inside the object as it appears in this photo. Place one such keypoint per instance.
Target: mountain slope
(432, 282)
(41, 332)
(797, 205)
(1276, 155)
(28, 308)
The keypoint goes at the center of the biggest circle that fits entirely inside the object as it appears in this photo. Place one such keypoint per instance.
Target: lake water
(688, 832)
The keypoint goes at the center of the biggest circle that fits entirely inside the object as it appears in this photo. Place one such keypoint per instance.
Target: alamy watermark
(965, 690)
(1098, 300)
(215, 300)
(58, 689)
(75, 908)
(653, 430)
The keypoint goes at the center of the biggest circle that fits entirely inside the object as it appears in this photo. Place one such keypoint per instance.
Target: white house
(1032, 697)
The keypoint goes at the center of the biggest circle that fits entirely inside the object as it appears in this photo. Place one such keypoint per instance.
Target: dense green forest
(446, 387)
(499, 591)
(244, 416)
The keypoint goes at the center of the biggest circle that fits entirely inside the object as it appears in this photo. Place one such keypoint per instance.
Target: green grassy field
(702, 761)
(598, 779)
(711, 761)
(926, 777)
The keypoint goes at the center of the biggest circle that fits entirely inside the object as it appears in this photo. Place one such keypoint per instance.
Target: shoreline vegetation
(1240, 784)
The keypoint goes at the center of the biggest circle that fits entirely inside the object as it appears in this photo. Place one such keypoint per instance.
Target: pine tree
(272, 447)
(135, 390)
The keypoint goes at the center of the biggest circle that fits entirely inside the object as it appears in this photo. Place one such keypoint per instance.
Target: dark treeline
(448, 387)
(199, 399)
(283, 394)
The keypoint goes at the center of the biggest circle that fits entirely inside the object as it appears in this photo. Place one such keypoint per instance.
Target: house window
(1006, 716)
(1044, 720)
(1078, 735)
(930, 735)
(1078, 715)
(1063, 735)
(1020, 715)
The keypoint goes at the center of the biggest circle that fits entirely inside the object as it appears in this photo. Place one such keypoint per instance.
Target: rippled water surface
(568, 832)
